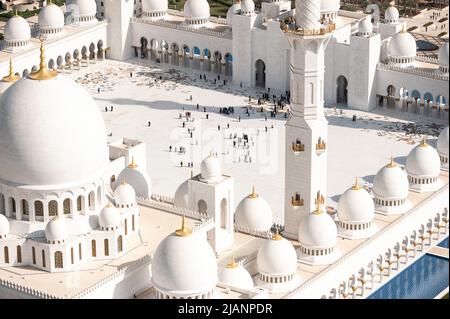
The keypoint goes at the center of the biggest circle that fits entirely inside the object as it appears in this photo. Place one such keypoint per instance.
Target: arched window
(79, 203)
(132, 223)
(80, 250)
(25, 208)
(66, 206)
(71, 256)
(52, 208)
(119, 244)
(19, 254)
(39, 208)
(223, 213)
(93, 248)
(202, 207)
(58, 259)
(6, 253)
(13, 204)
(126, 227)
(33, 254)
(106, 243)
(91, 200)
(43, 258)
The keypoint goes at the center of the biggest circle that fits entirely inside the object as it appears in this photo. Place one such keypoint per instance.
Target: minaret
(306, 128)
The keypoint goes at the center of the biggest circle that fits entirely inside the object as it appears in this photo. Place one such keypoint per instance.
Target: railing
(428, 59)
(27, 290)
(247, 230)
(180, 26)
(361, 246)
(174, 12)
(305, 32)
(415, 71)
(168, 207)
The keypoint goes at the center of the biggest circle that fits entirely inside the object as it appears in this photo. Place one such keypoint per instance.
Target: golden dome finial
(43, 74)
(319, 201)
(15, 12)
(424, 141)
(232, 263)
(11, 77)
(391, 163)
(277, 235)
(133, 163)
(253, 194)
(109, 204)
(183, 231)
(49, 2)
(356, 186)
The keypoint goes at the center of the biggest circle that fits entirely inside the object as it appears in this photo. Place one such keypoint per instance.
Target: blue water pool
(424, 279)
(444, 243)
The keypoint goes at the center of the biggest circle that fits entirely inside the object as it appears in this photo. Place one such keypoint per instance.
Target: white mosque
(72, 203)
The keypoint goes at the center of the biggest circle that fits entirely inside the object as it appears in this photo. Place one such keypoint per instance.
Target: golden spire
(43, 74)
(424, 141)
(391, 163)
(109, 204)
(253, 195)
(133, 163)
(15, 12)
(232, 263)
(183, 231)
(277, 235)
(11, 77)
(356, 186)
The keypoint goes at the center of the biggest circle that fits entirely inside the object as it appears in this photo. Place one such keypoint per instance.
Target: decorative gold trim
(43, 74)
(356, 186)
(277, 235)
(11, 77)
(109, 205)
(232, 263)
(183, 231)
(391, 163)
(253, 195)
(297, 146)
(296, 200)
(321, 145)
(424, 142)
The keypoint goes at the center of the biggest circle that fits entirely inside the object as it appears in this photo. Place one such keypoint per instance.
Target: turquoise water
(424, 279)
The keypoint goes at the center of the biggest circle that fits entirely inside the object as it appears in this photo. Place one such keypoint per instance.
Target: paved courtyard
(159, 94)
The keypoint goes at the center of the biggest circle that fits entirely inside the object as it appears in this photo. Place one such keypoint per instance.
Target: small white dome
(154, 5)
(443, 55)
(442, 142)
(327, 6)
(247, 7)
(423, 161)
(85, 8)
(17, 29)
(365, 26)
(196, 9)
(181, 197)
(56, 230)
(254, 212)
(234, 9)
(317, 231)
(391, 182)
(356, 206)
(235, 275)
(277, 256)
(184, 264)
(51, 17)
(4, 225)
(211, 168)
(402, 45)
(124, 195)
(139, 180)
(391, 15)
(109, 217)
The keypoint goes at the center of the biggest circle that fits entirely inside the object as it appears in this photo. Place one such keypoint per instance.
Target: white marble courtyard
(355, 148)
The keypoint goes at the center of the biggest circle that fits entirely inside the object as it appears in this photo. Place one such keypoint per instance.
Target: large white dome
(391, 182)
(4, 225)
(56, 230)
(196, 9)
(365, 26)
(329, 6)
(442, 142)
(139, 180)
(85, 8)
(17, 29)
(391, 15)
(184, 265)
(181, 197)
(51, 17)
(109, 217)
(124, 195)
(235, 275)
(277, 256)
(356, 206)
(317, 230)
(234, 9)
(254, 212)
(211, 168)
(154, 5)
(423, 161)
(443, 55)
(51, 133)
(402, 45)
